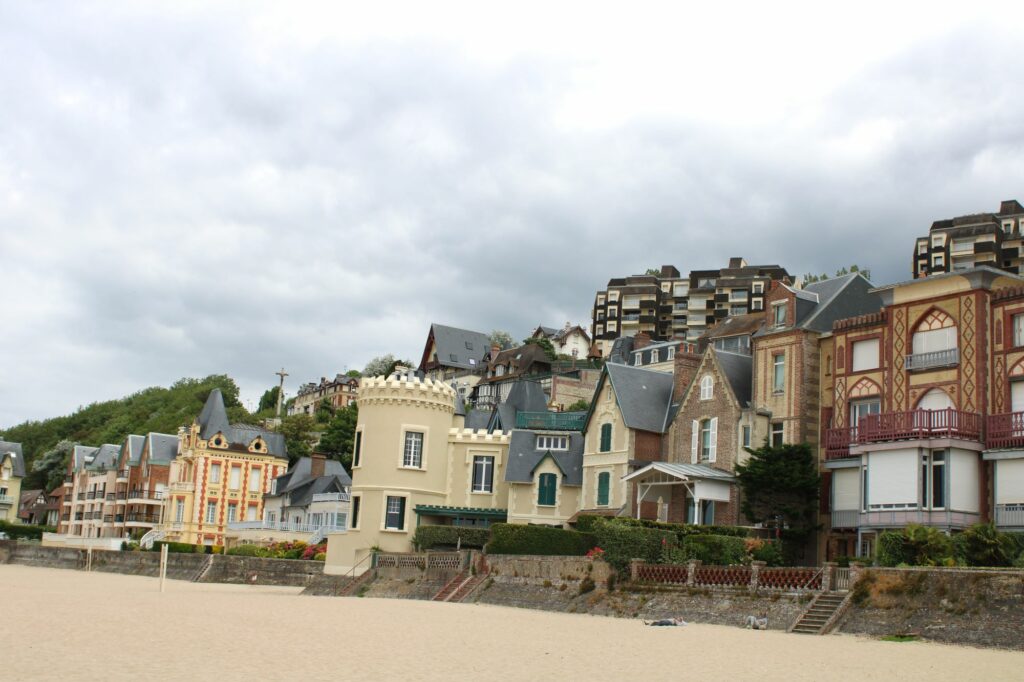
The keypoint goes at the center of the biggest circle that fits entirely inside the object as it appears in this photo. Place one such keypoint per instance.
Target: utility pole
(280, 390)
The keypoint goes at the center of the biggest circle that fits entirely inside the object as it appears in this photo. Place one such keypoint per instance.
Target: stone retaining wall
(224, 569)
(956, 606)
(546, 570)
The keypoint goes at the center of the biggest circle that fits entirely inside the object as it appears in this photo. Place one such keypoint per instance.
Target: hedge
(428, 537)
(716, 550)
(20, 530)
(507, 538)
(186, 548)
(622, 542)
(682, 529)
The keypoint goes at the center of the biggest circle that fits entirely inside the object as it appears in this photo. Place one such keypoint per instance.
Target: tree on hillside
(337, 440)
(324, 411)
(383, 365)
(779, 487)
(52, 465)
(353, 373)
(268, 401)
(549, 349)
(299, 437)
(501, 339)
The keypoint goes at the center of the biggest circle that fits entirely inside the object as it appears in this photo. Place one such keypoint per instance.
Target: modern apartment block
(964, 242)
(340, 392)
(923, 407)
(667, 305)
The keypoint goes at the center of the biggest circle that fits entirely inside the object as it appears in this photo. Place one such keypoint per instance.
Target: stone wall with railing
(755, 577)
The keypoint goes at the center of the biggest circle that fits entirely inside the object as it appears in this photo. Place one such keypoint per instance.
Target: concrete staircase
(821, 614)
(357, 582)
(459, 587)
(468, 587)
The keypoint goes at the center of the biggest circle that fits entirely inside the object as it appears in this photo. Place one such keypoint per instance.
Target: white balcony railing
(845, 518)
(289, 527)
(1010, 515)
(330, 497)
(6, 499)
(939, 358)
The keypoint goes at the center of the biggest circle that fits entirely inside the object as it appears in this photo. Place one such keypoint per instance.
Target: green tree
(581, 405)
(383, 365)
(268, 401)
(653, 271)
(52, 465)
(501, 339)
(299, 436)
(549, 349)
(324, 411)
(353, 373)
(779, 487)
(337, 441)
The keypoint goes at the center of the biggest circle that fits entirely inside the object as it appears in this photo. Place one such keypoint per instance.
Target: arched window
(707, 387)
(935, 333)
(606, 438)
(935, 399)
(546, 486)
(603, 485)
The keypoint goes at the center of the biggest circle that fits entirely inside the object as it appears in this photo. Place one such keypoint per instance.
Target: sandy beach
(62, 624)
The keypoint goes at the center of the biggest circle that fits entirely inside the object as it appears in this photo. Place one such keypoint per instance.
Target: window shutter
(714, 439)
(602, 488)
(694, 455)
(401, 513)
(606, 437)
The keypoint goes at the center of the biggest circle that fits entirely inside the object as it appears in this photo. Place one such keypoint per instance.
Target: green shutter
(602, 488)
(606, 437)
(546, 489)
(401, 514)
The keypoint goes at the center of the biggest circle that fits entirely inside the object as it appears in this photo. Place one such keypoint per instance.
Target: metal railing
(845, 518)
(145, 494)
(1004, 430)
(899, 518)
(289, 527)
(1010, 515)
(909, 425)
(938, 358)
(330, 497)
(142, 518)
(555, 421)
(6, 499)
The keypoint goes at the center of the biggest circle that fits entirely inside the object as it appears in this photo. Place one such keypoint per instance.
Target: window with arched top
(935, 399)
(707, 387)
(936, 332)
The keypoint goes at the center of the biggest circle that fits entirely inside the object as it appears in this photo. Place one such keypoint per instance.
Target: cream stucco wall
(12, 492)
(606, 411)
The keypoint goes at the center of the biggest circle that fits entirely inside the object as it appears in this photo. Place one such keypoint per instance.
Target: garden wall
(552, 570)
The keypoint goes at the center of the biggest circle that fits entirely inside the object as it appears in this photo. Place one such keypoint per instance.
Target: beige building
(340, 392)
(219, 477)
(12, 471)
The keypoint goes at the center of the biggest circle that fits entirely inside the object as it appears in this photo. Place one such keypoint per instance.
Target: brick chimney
(683, 371)
(641, 340)
(316, 464)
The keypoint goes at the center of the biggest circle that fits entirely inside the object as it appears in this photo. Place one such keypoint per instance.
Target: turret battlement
(407, 389)
(477, 436)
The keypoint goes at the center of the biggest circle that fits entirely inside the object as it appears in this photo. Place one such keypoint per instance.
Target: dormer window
(218, 442)
(779, 314)
(499, 370)
(638, 359)
(552, 442)
(654, 356)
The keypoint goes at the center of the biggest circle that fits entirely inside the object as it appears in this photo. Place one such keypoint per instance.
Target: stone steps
(467, 588)
(819, 613)
(452, 586)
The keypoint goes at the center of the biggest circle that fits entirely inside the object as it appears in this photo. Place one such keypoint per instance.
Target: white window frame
(671, 353)
(235, 477)
(232, 512)
(864, 360)
(638, 358)
(255, 474)
(780, 429)
(412, 457)
(654, 356)
(745, 435)
(215, 469)
(388, 497)
(179, 511)
(211, 512)
(757, 287)
(779, 373)
(553, 443)
(707, 387)
(1018, 330)
(777, 308)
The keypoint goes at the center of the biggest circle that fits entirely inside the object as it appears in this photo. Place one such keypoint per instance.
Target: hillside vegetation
(152, 409)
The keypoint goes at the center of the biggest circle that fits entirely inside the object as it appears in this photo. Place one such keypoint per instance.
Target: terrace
(909, 425)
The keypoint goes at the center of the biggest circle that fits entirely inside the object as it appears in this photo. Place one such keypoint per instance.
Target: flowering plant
(595, 553)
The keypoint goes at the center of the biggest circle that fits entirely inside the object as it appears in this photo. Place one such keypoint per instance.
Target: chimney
(684, 369)
(641, 340)
(737, 262)
(316, 464)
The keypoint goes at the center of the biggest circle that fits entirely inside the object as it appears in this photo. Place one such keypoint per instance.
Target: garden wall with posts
(754, 577)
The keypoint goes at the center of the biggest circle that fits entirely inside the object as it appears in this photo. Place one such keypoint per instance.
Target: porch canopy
(461, 515)
(701, 482)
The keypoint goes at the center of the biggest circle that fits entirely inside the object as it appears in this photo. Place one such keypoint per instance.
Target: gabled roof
(738, 370)
(17, 458)
(524, 457)
(213, 419)
(132, 449)
(519, 360)
(82, 456)
(736, 325)
(163, 447)
(684, 472)
(644, 396)
(524, 396)
(820, 304)
(106, 457)
(455, 347)
(302, 494)
(301, 473)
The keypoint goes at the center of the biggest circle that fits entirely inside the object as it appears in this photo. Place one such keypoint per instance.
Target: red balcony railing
(1005, 430)
(911, 425)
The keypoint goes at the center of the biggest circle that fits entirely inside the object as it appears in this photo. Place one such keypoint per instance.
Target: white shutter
(865, 355)
(1017, 396)
(714, 439)
(694, 455)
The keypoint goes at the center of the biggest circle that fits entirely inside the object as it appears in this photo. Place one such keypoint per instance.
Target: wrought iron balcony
(933, 360)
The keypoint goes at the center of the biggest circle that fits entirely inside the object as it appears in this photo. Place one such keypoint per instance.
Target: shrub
(768, 551)
(507, 538)
(20, 530)
(983, 545)
(622, 542)
(244, 550)
(680, 529)
(320, 556)
(716, 550)
(182, 547)
(428, 537)
(312, 550)
(914, 546)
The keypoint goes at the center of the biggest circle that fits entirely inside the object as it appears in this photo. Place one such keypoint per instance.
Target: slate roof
(736, 325)
(647, 351)
(739, 372)
(213, 419)
(478, 419)
(820, 304)
(524, 396)
(621, 351)
(82, 456)
(106, 457)
(17, 458)
(524, 457)
(455, 347)
(644, 396)
(133, 448)
(163, 447)
(519, 360)
(300, 485)
(683, 471)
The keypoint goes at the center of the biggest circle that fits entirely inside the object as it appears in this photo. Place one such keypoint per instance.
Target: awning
(701, 481)
(461, 512)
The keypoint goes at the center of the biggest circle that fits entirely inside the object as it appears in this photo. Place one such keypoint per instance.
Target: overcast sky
(190, 190)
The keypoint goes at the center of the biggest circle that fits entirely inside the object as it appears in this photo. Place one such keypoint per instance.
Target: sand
(71, 625)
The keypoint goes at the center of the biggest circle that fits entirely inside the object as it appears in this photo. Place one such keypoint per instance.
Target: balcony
(136, 519)
(933, 360)
(146, 496)
(895, 426)
(1010, 515)
(631, 317)
(330, 497)
(182, 487)
(899, 518)
(1005, 431)
(288, 527)
(6, 499)
(551, 421)
(91, 495)
(81, 496)
(122, 475)
(845, 518)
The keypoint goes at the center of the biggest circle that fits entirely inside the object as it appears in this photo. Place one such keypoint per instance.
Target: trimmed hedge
(428, 537)
(682, 529)
(716, 550)
(622, 542)
(20, 530)
(507, 538)
(186, 548)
